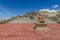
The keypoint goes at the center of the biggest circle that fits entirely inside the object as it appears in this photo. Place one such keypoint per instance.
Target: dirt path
(25, 32)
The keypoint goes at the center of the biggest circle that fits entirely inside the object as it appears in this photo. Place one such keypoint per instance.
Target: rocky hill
(55, 16)
(48, 17)
(31, 17)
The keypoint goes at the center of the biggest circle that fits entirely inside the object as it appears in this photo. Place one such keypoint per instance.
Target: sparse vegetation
(1, 22)
(53, 18)
(58, 15)
(32, 15)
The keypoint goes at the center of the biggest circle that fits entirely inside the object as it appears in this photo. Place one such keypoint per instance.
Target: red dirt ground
(25, 32)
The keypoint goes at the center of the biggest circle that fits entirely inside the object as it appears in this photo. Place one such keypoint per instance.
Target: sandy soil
(25, 32)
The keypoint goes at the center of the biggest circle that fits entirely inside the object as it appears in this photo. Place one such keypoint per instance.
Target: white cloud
(55, 6)
(48, 10)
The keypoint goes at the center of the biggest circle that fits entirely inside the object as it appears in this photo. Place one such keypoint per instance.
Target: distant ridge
(49, 17)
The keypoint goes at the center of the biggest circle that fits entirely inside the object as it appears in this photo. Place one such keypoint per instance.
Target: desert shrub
(53, 18)
(31, 17)
(58, 15)
(25, 15)
(10, 20)
(58, 22)
(1, 22)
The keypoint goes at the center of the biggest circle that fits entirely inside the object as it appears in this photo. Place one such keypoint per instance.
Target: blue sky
(9, 8)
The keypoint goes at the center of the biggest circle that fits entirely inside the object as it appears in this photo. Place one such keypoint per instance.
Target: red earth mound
(25, 32)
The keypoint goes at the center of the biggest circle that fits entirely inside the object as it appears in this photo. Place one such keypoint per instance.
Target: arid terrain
(29, 19)
(21, 27)
(24, 31)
